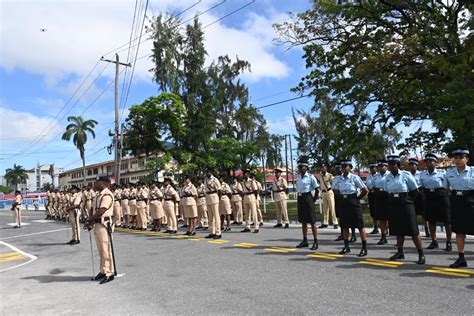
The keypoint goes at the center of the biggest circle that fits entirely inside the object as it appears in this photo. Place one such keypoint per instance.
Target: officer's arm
(363, 192)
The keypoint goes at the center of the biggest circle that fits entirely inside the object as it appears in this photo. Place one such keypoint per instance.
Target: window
(124, 166)
(89, 172)
(141, 163)
(109, 169)
(96, 170)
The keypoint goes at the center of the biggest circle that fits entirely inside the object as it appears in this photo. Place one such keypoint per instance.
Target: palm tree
(78, 130)
(16, 175)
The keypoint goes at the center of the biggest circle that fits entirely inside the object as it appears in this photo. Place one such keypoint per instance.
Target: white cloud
(79, 32)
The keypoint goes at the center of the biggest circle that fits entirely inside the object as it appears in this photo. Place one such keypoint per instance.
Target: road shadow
(48, 244)
(470, 287)
(58, 278)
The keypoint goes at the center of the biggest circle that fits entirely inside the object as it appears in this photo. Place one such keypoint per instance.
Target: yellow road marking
(245, 245)
(279, 249)
(195, 238)
(378, 264)
(217, 241)
(322, 257)
(329, 254)
(471, 272)
(248, 244)
(385, 261)
(465, 275)
(8, 254)
(12, 258)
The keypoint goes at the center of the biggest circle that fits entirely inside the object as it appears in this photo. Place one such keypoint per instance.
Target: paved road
(166, 275)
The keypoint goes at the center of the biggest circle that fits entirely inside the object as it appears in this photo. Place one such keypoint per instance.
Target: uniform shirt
(434, 180)
(349, 184)
(279, 189)
(379, 180)
(236, 191)
(306, 183)
(18, 201)
(133, 193)
(326, 181)
(170, 193)
(105, 200)
(403, 181)
(460, 181)
(370, 181)
(156, 194)
(225, 190)
(125, 193)
(417, 177)
(76, 200)
(249, 186)
(189, 193)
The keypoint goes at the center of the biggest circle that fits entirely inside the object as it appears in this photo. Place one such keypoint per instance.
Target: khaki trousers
(17, 215)
(88, 208)
(214, 219)
(142, 219)
(237, 210)
(329, 208)
(170, 213)
(281, 211)
(133, 207)
(250, 209)
(104, 248)
(117, 213)
(259, 211)
(202, 215)
(74, 220)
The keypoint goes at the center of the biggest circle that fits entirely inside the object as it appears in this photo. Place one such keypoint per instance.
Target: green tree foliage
(77, 130)
(5, 190)
(208, 121)
(16, 175)
(390, 62)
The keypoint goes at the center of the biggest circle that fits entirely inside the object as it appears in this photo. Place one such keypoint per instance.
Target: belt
(278, 191)
(202, 195)
(169, 199)
(117, 200)
(88, 199)
(462, 192)
(235, 193)
(379, 190)
(248, 193)
(349, 196)
(211, 192)
(154, 199)
(303, 193)
(132, 198)
(139, 200)
(398, 195)
(327, 190)
(125, 199)
(106, 218)
(435, 190)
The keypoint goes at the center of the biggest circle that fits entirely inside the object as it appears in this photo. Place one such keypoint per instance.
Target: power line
(283, 101)
(229, 14)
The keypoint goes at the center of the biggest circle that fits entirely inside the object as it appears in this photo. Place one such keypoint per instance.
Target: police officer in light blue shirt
(420, 198)
(337, 200)
(381, 199)
(460, 180)
(437, 205)
(402, 188)
(305, 184)
(350, 190)
(371, 196)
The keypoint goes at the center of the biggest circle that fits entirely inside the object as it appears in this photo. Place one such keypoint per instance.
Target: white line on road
(32, 258)
(45, 232)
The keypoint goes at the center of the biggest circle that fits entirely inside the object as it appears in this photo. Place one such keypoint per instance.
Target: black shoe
(382, 241)
(345, 250)
(353, 239)
(362, 253)
(303, 244)
(193, 234)
(315, 245)
(16, 226)
(287, 225)
(460, 263)
(184, 226)
(70, 242)
(235, 223)
(336, 226)
(187, 234)
(339, 238)
(246, 230)
(278, 225)
(449, 247)
(398, 255)
(174, 232)
(227, 229)
(76, 242)
(374, 232)
(433, 245)
(261, 224)
(217, 236)
(99, 276)
(323, 226)
(205, 228)
(421, 259)
(107, 279)
(210, 236)
(255, 231)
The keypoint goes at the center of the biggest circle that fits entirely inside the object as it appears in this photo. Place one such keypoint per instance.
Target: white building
(41, 175)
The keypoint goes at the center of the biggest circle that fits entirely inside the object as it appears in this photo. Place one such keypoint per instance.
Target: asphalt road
(164, 275)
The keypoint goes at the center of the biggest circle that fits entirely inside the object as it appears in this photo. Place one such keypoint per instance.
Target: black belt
(117, 200)
(125, 199)
(379, 190)
(132, 199)
(248, 193)
(211, 192)
(434, 190)
(349, 196)
(399, 194)
(278, 191)
(462, 192)
(154, 199)
(327, 190)
(106, 218)
(235, 193)
(169, 199)
(139, 200)
(201, 196)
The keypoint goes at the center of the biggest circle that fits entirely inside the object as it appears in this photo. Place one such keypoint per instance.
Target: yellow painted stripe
(195, 238)
(243, 246)
(465, 275)
(329, 254)
(378, 264)
(218, 241)
(385, 261)
(12, 258)
(8, 254)
(471, 272)
(322, 257)
(276, 250)
(248, 244)
(281, 248)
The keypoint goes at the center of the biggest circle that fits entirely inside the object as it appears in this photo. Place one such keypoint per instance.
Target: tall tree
(77, 130)
(16, 175)
(390, 62)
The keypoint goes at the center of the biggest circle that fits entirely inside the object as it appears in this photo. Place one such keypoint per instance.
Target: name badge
(396, 195)
(458, 192)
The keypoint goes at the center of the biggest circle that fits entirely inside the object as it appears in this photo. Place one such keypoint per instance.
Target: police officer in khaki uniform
(16, 207)
(188, 201)
(101, 221)
(170, 199)
(259, 190)
(236, 201)
(156, 207)
(280, 191)
(132, 202)
(225, 209)
(142, 200)
(117, 205)
(213, 188)
(329, 209)
(202, 206)
(74, 211)
(125, 195)
(250, 192)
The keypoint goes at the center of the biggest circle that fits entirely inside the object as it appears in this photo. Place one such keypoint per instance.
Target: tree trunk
(84, 172)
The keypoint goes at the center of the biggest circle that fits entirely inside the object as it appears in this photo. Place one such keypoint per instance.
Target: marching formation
(396, 197)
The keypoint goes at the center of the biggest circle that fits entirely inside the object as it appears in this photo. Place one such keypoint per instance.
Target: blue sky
(40, 71)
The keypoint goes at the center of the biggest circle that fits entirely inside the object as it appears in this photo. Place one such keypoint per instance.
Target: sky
(49, 47)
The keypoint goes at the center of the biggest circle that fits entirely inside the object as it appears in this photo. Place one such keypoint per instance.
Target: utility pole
(286, 159)
(116, 129)
(291, 159)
